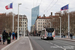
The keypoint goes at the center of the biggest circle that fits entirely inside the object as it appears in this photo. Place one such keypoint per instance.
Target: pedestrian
(8, 39)
(10, 34)
(71, 36)
(64, 36)
(13, 35)
(4, 36)
(0, 39)
(16, 35)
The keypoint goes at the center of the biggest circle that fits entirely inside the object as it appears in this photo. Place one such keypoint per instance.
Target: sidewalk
(22, 44)
(1, 44)
(68, 39)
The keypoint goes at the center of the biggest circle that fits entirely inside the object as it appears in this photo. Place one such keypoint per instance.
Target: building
(34, 14)
(42, 22)
(23, 24)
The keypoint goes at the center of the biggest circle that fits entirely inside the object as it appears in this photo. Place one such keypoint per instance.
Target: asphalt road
(55, 44)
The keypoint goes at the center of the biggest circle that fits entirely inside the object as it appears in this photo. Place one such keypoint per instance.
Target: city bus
(48, 33)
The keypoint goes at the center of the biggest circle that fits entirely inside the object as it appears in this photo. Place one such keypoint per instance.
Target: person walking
(13, 35)
(8, 39)
(4, 36)
(10, 34)
(71, 36)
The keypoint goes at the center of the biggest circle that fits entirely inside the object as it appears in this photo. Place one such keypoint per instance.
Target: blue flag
(65, 7)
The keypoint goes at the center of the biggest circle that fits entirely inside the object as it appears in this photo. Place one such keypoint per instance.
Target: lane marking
(30, 44)
(51, 43)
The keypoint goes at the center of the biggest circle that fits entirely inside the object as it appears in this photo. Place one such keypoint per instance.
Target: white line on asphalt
(48, 42)
(64, 49)
(51, 43)
(30, 44)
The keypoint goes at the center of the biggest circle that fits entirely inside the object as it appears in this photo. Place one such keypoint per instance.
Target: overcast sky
(46, 7)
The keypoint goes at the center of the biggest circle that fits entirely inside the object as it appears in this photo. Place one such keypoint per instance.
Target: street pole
(24, 32)
(13, 23)
(68, 25)
(60, 27)
(18, 21)
(22, 25)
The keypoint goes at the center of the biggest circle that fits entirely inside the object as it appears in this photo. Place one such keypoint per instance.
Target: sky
(46, 7)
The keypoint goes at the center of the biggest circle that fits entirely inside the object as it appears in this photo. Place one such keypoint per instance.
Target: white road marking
(51, 43)
(30, 44)
(64, 49)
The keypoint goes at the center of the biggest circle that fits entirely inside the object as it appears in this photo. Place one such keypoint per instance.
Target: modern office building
(34, 14)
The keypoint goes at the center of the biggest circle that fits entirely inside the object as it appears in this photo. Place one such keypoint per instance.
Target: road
(39, 44)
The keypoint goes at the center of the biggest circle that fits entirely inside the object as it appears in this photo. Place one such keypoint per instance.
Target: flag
(10, 6)
(65, 7)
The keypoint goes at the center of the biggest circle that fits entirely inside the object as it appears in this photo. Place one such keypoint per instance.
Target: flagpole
(13, 21)
(68, 24)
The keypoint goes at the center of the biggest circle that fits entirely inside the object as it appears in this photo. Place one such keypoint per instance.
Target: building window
(25, 25)
(39, 20)
(25, 22)
(39, 23)
(23, 19)
(21, 28)
(25, 28)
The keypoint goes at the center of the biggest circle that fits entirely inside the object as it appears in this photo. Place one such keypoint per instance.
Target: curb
(6, 47)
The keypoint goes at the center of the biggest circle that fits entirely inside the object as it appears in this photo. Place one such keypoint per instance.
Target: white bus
(48, 33)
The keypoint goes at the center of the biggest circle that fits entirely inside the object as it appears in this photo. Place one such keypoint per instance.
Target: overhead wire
(49, 5)
(40, 2)
(36, 2)
(53, 5)
(33, 3)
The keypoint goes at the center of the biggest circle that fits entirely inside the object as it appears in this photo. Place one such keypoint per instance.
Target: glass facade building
(34, 14)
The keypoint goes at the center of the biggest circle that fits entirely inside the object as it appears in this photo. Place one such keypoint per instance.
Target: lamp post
(60, 27)
(22, 25)
(18, 21)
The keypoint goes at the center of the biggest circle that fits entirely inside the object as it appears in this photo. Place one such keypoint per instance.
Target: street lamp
(60, 27)
(18, 21)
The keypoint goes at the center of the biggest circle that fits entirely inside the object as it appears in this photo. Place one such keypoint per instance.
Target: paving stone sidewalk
(1, 43)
